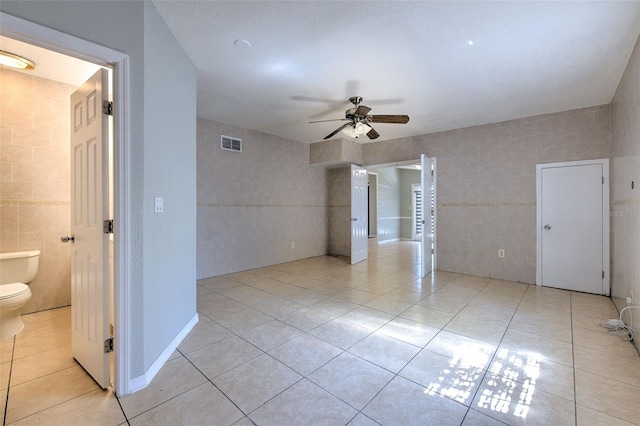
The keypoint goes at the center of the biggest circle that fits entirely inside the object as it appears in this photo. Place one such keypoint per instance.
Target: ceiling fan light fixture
(15, 61)
(356, 130)
(350, 131)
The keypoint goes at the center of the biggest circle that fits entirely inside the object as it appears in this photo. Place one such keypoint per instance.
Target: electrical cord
(617, 326)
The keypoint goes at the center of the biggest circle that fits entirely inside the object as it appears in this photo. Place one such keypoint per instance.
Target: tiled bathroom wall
(625, 200)
(255, 205)
(34, 180)
(486, 184)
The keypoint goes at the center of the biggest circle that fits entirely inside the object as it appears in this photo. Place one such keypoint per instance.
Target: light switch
(158, 205)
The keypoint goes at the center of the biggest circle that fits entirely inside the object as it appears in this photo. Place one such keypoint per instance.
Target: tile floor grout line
(397, 374)
(494, 354)
(573, 362)
(6, 402)
(216, 386)
(126, 419)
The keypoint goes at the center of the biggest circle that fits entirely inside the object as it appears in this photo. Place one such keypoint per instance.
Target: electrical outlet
(293, 244)
(501, 254)
(629, 300)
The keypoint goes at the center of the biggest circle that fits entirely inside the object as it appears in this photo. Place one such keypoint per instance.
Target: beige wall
(34, 180)
(340, 211)
(625, 204)
(486, 184)
(253, 205)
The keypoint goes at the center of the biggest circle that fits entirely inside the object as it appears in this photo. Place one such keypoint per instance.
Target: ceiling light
(470, 42)
(242, 44)
(14, 61)
(356, 129)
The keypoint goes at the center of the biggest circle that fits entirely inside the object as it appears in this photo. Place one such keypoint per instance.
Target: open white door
(428, 210)
(359, 234)
(89, 208)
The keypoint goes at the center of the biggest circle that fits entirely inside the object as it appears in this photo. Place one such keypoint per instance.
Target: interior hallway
(318, 341)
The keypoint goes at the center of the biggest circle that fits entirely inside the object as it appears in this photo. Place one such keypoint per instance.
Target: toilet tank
(19, 266)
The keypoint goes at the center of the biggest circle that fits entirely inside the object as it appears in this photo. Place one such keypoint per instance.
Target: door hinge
(107, 226)
(432, 251)
(108, 345)
(603, 180)
(431, 172)
(603, 275)
(107, 107)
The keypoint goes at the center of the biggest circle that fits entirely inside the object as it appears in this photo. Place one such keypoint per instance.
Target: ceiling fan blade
(372, 134)
(394, 119)
(337, 130)
(362, 110)
(335, 119)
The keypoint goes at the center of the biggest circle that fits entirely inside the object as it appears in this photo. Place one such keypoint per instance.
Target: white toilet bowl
(12, 297)
(16, 269)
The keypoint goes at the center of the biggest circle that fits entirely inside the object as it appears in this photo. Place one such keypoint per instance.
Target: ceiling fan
(359, 123)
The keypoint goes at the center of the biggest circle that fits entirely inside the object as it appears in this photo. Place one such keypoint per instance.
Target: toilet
(16, 270)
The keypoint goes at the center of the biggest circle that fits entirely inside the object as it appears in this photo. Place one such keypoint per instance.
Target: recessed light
(470, 42)
(15, 61)
(242, 44)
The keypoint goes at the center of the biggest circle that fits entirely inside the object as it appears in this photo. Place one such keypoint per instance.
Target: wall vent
(230, 144)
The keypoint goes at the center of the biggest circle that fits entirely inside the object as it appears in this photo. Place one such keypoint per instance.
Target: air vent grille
(230, 144)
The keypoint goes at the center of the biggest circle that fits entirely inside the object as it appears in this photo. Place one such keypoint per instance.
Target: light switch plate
(158, 205)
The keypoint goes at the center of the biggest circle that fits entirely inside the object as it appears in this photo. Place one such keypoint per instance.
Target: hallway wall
(252, 205)
(487, 187)
(625, 201)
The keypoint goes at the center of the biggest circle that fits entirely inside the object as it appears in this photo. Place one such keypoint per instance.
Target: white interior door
(573, 229)
(428, 211)
(359, 234)
(89, 208)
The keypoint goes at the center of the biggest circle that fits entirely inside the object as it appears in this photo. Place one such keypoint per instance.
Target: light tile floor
(318, 341)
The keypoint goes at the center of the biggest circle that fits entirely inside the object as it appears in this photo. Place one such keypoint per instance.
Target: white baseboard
(141, 382)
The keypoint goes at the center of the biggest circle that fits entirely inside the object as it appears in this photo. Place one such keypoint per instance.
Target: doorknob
(547, 227)
(69, 239)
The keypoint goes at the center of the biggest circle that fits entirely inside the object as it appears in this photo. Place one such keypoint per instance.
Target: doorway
(373, 204)
(396, 208)
(54, 41)
(573, 226)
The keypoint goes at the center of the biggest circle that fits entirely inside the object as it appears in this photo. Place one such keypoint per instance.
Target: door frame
(606, 230)
(373, 213)
(434, 259)
(38, 35)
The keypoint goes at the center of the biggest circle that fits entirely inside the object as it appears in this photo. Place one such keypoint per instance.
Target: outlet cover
(501, 254)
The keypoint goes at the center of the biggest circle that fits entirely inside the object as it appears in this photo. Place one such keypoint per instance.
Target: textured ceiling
(307, 58)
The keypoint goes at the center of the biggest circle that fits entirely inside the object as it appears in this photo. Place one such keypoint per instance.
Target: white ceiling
(50, 65)
(308, 57)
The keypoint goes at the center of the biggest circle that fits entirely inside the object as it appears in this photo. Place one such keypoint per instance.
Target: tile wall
(253, 205)
(34, 180)
(340, 211)
(486, 184)
(625, 201)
